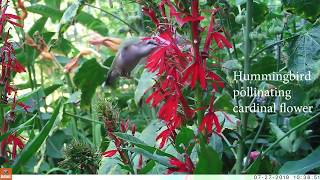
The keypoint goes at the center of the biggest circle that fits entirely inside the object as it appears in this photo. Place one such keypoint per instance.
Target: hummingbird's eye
(151, 42)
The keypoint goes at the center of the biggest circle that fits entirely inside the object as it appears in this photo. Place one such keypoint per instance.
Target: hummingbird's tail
(111, 77)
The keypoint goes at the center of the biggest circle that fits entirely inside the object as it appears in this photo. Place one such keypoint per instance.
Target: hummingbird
(130, 54)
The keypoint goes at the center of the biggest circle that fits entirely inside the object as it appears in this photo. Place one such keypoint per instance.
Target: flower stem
(289, 132)
(74, 109)
(244, 116)
(114, 16)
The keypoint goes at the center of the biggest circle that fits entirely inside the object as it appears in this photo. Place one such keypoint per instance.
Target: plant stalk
(244, 116)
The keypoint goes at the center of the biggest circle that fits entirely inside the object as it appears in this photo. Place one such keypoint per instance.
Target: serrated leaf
(304, 54)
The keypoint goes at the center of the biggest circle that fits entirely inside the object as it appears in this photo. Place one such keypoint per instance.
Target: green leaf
(92, 23)
(262, 165)
(302, 166)
(63, 46)
(53, 4)
(224, 103)
(184, 137)
(209, 162)
(147, 168)
(69, 16)
(286, 143)
(146, 81)
(38, 26)
(260, 10)
(88, 77)
(298, 95)
(32, 147)
(55, 144)
(309, 9)
(139, 143)
(265, 65)
(160, 159)
(228, 121)
(304, 54)
(49, 90)
(83, 18)
(149, 134)
(45, 11)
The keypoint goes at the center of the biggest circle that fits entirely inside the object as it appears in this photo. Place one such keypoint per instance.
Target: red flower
(124, 126)
(207, 122)
(179, 166)
(164, 136)
(221, 40)
(197, 73)
(151, 14)
(16, 142)
(254, 155)
(210, 31)
(140, 162)
(5, 17)
(209, 119)
(109, 153)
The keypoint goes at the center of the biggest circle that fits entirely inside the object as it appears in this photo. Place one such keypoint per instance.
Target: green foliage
(33, 146)
(309, 9)
(209, 161)
(304, 54)
(88, 77)
(80, 158)
(302, 166)
(67, 105)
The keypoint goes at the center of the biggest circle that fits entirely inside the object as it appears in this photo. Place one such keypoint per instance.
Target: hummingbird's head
(144, 47)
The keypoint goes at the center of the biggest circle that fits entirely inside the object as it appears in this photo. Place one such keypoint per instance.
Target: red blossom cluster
(9, 64)
(178, 68)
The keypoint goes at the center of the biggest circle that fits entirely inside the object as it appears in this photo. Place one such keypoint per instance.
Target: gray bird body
(127, 58)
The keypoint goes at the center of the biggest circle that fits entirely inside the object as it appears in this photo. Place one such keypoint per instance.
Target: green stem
(73, 122)
(289, 132)
(82, 118)
(244, 116)
(37, 94)
(273, 44)
(114, 16)
(255, 140)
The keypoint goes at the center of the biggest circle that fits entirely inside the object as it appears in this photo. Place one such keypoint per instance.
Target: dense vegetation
(176, 112)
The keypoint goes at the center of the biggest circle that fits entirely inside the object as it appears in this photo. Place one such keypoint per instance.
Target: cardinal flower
(209, 119)
(179, 166)
(15, 141)
(109, 153)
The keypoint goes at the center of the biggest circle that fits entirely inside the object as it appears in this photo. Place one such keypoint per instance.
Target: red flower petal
(221, 40)
(110, 153)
